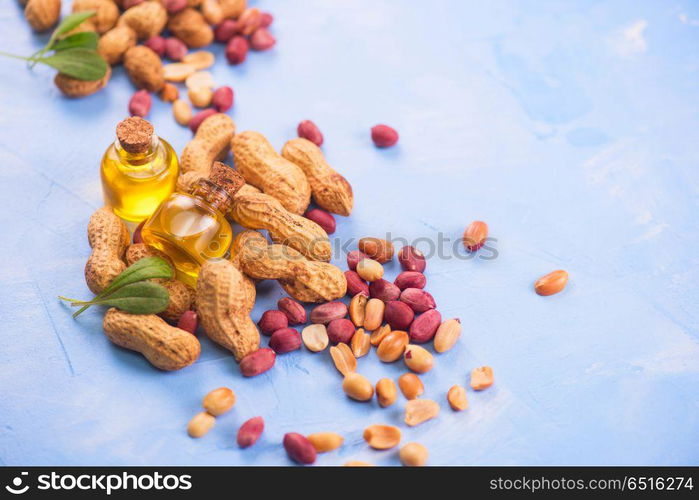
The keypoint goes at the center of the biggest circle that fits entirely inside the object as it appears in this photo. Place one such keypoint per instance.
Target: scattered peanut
(384, 136)
(481, 378)
(447, 335)
(257, 362)
(182, 112)
(357, 387)
(552, 283)
(299, 448)
(373, 314)
(199, 79)
(361, 343)
(413, 455)
(379, 334)
(327, 312)
(386, 392)
(418, 411)
(457, 398)
(324, 442)
(285, 340)
(411, 259)
(201, 59)
(250, 432)
(369, 270)
(219, 401)
(315, 337)
(382, 437)
(200, 424)
(344, 360)
(169, 93)
(410, 385)
(418, 359)
(293, 310)
(392, 346)
(357, 309)
(475, 235)
(200, 96)
(377, 249)
(178, 72)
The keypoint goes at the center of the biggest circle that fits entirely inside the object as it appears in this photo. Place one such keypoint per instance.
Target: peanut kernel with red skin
(410, 279)
(175, 49)
(140, 103)
(257, 362)
(250, 432)
(324, 219)
(156, 44)
(340, 330)
(197, 119)
(285, 340)
(299, 448)
(355, 284)
(384, 136)
(222, 99)
(262, 40)
(225, 31)
(188, 322)
(310, 131)
(272, 321)
(354, 257)
(293, 310)
(237, 50)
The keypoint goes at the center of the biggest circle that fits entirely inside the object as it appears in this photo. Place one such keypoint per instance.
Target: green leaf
(86, 40)
(144, 297)
(79, 63)
(143, 269)
(71, 22)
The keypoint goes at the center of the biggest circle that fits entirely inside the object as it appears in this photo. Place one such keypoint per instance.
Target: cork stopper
(226, 178)
(135, 134)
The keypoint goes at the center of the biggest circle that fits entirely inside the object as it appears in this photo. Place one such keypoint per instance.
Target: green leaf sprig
(73, 55)
(131, 292)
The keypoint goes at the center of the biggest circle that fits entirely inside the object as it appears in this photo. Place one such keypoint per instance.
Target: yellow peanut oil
(191, 228)
(135, 180)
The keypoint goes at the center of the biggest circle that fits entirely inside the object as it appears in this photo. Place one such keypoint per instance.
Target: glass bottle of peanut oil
(138, 171)
(191, 227)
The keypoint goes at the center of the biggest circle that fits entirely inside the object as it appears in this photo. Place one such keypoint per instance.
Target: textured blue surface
(570, 127)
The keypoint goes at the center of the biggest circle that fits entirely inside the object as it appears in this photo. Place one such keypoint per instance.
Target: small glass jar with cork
(191, 227)
(139, 170)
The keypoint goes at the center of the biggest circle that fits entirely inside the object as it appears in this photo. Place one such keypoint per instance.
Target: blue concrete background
(570, 127)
